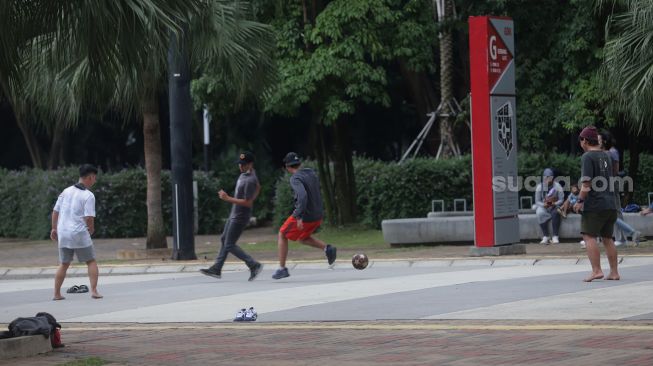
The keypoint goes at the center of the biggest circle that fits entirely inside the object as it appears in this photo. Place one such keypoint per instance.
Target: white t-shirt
(73, 205)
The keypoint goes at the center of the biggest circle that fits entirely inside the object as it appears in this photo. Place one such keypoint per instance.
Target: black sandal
(77, 289)
(73, 290)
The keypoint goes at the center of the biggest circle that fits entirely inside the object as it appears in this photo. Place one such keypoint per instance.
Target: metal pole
(180, 149)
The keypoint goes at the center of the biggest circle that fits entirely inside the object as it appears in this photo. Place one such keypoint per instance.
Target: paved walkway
(28, 259)
(459, 308)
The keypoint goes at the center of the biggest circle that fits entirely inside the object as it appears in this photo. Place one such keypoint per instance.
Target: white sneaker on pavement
(582, 244)
(545, 240)
(555, 240)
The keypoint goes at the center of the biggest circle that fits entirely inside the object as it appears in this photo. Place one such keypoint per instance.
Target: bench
(458, 227)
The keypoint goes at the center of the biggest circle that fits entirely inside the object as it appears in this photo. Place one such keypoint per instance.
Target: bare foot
(56, 298)
(96, 295)
(594, 276)
(613, 276)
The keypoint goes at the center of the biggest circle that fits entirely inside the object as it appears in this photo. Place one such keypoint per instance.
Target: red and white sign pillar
(494, 131)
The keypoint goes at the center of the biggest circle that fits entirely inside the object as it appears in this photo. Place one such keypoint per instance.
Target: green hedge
(388, 190)
(28, 197)
(384, 190)
(283, 199)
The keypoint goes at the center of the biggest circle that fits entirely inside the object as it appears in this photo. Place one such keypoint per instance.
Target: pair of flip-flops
(77, 289)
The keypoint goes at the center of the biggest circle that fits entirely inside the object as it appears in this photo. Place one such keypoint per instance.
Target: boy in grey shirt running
(306, 217)
(247, 189)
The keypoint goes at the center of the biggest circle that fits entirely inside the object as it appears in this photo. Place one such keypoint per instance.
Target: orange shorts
(290, 231)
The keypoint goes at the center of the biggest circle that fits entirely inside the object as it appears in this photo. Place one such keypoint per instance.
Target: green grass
(348, 237)
(91, 361)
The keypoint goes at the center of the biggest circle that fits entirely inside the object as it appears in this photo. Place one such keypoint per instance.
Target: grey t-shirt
(245, 189)
(596, 167)
(308, 199)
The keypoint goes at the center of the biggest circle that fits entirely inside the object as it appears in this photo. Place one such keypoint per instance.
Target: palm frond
(628, 63)
(227, 41)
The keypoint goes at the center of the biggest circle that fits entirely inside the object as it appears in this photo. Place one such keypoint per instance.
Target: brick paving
(454, 343)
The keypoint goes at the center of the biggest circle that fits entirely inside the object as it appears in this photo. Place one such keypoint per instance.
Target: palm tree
(628, 70)
(81, 44)
(122, 45)
(221, 37)
(628, 62)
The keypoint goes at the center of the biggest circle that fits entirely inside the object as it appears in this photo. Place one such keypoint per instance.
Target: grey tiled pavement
(396, 342)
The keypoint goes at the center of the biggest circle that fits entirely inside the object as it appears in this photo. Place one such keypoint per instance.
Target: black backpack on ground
(43, 323)
(30, 326)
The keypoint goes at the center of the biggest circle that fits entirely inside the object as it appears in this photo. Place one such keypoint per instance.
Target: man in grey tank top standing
(597, 203)
(247, 189)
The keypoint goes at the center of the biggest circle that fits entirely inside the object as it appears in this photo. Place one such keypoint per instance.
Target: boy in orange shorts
(306, 217)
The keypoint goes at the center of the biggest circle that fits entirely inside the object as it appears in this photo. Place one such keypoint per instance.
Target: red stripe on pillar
(481, 132)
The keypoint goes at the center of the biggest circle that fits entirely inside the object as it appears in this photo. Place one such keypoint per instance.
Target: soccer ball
(359, 261)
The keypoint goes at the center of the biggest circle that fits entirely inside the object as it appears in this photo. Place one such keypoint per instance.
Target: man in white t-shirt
(73, 223)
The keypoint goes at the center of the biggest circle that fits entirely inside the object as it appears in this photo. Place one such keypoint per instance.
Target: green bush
(384, 190)
(387, 190)
(390, 190)
(28, 197)
(283, 200)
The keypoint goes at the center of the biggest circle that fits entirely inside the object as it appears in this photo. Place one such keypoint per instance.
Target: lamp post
(180, 148)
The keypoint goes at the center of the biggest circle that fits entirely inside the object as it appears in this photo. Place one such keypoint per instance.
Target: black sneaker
(254, 271)
(281, 273)
(330, 253)
(210, 272)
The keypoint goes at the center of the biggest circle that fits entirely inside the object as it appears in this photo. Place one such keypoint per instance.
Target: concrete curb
(8, 273)
(24, 346)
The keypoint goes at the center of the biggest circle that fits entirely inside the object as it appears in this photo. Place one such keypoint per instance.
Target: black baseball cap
(292, 159)
(245, 158)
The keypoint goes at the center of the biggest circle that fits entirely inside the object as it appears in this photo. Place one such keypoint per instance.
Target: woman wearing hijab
(548, 196)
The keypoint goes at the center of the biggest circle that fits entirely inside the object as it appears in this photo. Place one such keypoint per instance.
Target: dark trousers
(555, 222)
(230, 235)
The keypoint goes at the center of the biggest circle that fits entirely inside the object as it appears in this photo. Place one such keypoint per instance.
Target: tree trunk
(425, 99)
(343, 172)
(633, 168)
(56, 148)
(324, 171)
(33, 146)
(448, 146)
(156, 237)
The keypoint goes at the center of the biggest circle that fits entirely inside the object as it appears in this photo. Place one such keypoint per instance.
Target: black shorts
(598, 223)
